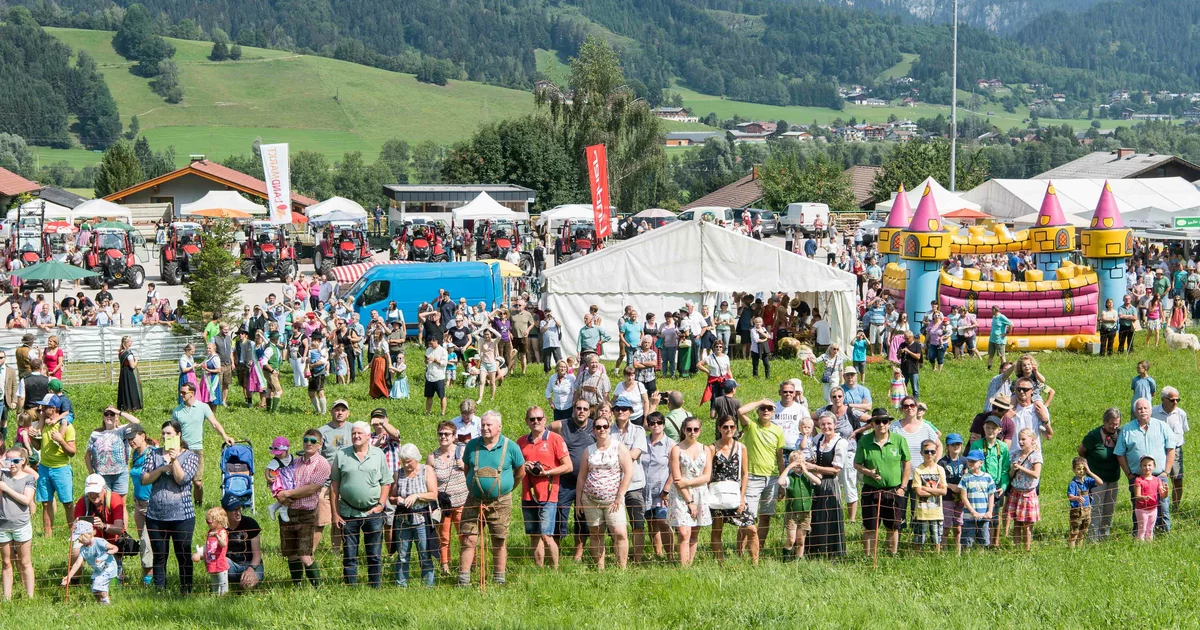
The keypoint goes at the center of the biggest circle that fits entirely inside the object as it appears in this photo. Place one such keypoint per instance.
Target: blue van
(411, 284)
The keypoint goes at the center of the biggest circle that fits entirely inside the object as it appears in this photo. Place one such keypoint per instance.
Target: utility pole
(954, 102)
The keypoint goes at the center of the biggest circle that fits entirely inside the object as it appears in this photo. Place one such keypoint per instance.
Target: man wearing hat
(244, 349)
(224, 344)
(764, 442)
(257, 322)
(1001, 411)
(884, 463)
(634, 439)
(54, 471)
(23, 355)
(245, 545)
(274, 359)
(335, 436)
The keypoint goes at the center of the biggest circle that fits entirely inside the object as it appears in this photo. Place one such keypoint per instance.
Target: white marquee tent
(224, 200)
(101, 208)
(1008, 199)
(484, 207)
(690, 261)
(334, 204)
(557, 215)
(946, 201)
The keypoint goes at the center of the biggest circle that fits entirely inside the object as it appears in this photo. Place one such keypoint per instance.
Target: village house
(677, 114)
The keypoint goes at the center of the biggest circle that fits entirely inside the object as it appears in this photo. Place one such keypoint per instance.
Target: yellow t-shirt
(53, 455)
(929, 508)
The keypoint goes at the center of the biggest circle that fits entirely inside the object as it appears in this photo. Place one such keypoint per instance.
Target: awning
(347, 274)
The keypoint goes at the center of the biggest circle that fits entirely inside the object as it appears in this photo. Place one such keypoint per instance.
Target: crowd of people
(609, 466)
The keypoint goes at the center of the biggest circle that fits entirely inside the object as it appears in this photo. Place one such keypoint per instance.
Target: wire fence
(387, 548)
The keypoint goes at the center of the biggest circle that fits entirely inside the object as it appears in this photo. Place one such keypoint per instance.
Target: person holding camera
(546, 459)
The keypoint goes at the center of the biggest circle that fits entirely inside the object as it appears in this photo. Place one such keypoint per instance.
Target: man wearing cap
(1001, 411)
(1171, 413)
(996, 462)
(634, 438)
(224, 344)
(101, 507)
(335, 436)
(191, 414)
(245, 545)
(764, 442)
(358, 491)
(54, 470)
(23, 356)
(884, 463)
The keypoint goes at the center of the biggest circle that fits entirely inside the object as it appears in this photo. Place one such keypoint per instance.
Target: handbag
(724, 495)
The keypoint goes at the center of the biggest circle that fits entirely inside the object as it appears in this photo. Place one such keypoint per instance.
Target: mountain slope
(1001, 16)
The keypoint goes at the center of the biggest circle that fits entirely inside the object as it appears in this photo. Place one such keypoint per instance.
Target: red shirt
(110, 511)
(549, 452)
(1150, 489)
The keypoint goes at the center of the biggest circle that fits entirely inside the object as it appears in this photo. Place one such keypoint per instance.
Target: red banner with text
(597, 164)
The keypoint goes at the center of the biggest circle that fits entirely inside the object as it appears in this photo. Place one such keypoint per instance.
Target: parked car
(804, 216)
(716, 214)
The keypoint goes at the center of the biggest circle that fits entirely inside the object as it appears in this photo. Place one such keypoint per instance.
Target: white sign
(278, 179)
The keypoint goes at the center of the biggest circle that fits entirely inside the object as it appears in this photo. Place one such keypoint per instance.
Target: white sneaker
(282, 512)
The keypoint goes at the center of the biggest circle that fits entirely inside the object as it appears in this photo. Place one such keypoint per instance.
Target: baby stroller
(237, 472)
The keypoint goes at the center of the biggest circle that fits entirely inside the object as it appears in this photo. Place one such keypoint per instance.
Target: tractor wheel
(527, 263)
(94, 282)
(317, 260)
(286, 271)
(250, 271)
(137, 276)
(170, 273)
(326, 267)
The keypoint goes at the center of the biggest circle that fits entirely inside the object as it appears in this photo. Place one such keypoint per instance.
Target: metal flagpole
(954, 101)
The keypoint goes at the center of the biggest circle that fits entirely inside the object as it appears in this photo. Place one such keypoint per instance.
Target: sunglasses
(929, 452)
(312, 440)
(1170, 399)
(836, 396)
(657, 422)
(110, 413)
(1024, 389)
(583, 408)
(908, 405)
(881, 422)
(787, 391)
(535, 418)
(692, 430)
(182, 392)
(445, 434)
(728, 427)
(600, 427)
(11, 461)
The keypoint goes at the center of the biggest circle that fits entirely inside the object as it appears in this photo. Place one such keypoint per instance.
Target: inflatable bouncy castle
(1057, 304)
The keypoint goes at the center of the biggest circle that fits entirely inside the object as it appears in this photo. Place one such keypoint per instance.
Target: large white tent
(222, 200)
(103, 209)
(334, 204)
(1008, 199)
(557, 215)
(946, 201)
(484, 207)
(692, 261)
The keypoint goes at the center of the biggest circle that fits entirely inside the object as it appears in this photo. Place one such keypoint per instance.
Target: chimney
(1125, 153)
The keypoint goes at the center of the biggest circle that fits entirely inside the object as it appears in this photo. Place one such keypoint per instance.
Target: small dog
(1182, 341)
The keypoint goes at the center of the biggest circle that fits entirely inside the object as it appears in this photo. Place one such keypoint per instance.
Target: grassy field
(902, 68)
(311, 102)
(549, 64)
(1052, 587)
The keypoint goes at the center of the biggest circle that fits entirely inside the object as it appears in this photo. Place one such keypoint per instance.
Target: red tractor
(110, 254)
(341, 244)
(495, 239)
(180, 256)
(428, 244)
(576, 239)
(267, 252)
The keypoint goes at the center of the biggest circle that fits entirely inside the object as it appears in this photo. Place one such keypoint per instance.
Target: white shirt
(1027, 418)
(717, 365)
(821, 329)
(559, 391)
(788, 419)
(463, 428)
(633, 437)
(695, 323)
(435, 370)
(634, 396)
(1177, 419)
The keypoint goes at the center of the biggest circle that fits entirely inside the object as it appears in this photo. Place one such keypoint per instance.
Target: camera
(536, 468)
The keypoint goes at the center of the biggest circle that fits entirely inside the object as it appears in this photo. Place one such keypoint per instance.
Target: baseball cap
(341, 402)
(954, 438)
(93, 483)
(850, 369)
(993, 419)
(56, 386)
(379, 412)
(280, 445)
(729, 384)
(623, 402)
(975, 455)
(767, 405)
(81, 527)
(49, 401)
(230, 502)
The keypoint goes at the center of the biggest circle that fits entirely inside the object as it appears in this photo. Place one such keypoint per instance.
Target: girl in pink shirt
(1147, 490)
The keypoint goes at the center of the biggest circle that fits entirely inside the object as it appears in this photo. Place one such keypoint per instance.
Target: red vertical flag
(597, 165)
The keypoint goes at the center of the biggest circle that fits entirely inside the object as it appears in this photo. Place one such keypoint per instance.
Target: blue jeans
(976, 531)
(422, 535)
(723, 336)
(371, 528)
(566, 505)
(668, 357)
(1163, 522)
(629, 350)
(914, 381)
(236, 570)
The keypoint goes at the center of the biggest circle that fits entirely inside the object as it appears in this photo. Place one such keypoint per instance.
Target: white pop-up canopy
(484, 207)
(103, 209)
(334, 204)
(1007, 199)
(946, 201)
(557, 215)
(690, 261)
(222, 200)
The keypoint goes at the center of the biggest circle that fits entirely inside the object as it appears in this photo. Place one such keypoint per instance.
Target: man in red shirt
(546, 459)
(102, 507)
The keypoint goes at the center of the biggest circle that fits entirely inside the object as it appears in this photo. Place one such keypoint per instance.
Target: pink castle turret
(1051, 236)
(925, 246)
(1051, 212)
(897, 221)
(927, 218)
(1106, 244)
(901, 213)
(1107, 216)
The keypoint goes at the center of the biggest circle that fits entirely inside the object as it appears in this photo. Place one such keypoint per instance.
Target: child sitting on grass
(979, 496)
(1079, 493)
(213, 551)
(799, 483)
(1023, 507)
(929, 485)
(1147, 491)
(100, 554)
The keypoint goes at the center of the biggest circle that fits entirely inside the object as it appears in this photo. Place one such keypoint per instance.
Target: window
(377, 291)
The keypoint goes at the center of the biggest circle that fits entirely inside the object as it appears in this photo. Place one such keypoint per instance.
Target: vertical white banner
(279, 183)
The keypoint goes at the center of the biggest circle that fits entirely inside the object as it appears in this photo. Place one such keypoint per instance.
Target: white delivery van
(804, 215)
(716, 214)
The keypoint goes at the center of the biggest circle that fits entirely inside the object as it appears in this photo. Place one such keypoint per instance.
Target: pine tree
(119, 169)
(213, 289)
(235, 52)
(220, 51)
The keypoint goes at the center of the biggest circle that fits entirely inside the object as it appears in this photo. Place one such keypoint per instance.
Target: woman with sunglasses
(691, 468)
(298, 537)
(828, 536)
(716, 366)
(656, 464)
(605, 472)
(16, 529)
(729, 464)
(107, 452)
(447, 464)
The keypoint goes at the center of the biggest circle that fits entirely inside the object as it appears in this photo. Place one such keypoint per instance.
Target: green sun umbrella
(114, 225)
(52, 271)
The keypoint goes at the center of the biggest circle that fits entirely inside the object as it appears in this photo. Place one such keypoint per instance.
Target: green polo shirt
(762, 446)
(191, 420)
(995, 461)
(360, 482)
(477, 456)
(887, 459)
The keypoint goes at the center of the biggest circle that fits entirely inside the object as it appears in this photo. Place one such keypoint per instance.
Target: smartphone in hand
(171, 442)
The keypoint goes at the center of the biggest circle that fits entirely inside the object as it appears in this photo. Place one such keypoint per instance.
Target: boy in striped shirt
(979, 490)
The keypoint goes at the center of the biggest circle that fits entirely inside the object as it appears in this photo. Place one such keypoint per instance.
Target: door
(374, 297)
